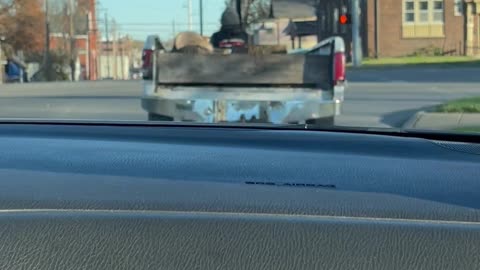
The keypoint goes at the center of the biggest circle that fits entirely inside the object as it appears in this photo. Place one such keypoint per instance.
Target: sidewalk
(443, 121)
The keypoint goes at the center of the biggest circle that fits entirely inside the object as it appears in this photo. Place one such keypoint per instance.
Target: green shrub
(471, 105)
(428, 51)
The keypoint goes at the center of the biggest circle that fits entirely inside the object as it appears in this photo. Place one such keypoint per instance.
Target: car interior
(178, 196)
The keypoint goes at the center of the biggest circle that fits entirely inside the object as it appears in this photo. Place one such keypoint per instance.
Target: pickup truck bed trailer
(307, 87)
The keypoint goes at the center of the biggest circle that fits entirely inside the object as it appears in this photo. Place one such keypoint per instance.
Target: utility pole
(238, 6)
(2, 64)
(174, 28)
(107, 46)
(201, 17)
(72, 46)
(190, 15)
(46, 54)
(122, 45)
(357, 46)
(377, 28)
(319, 22)
(115, 49)
(93, 49)
(89, 55)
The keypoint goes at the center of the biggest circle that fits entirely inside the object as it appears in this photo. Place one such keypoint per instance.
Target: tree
(252, 12)
(21, 22)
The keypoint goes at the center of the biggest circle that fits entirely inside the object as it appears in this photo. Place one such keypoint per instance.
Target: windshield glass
(402, 64)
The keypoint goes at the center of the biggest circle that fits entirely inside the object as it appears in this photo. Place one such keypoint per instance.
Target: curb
(412, 122)
(459, 120)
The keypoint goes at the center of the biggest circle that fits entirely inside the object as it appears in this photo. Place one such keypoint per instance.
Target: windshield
(393, 64)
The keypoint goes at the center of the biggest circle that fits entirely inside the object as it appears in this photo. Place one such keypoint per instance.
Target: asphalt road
(101, 100)
(375, 98)
(388, 97)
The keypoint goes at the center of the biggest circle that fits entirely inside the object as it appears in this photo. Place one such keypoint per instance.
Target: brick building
(119, 58)
(404, 27)
(92, 33)
(85, 36)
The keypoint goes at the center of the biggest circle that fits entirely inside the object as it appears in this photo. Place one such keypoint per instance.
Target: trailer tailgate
(310, 71)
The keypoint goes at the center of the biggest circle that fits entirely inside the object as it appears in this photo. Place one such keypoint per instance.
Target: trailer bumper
(256, 105)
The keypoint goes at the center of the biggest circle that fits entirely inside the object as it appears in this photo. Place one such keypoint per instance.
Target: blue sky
(140, 18)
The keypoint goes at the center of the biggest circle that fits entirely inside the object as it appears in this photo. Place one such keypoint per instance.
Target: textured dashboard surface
(125, 240)
(79, 197)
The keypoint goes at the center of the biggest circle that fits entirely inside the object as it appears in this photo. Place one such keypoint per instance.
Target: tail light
(232, 43)
(147, 66)
(147, 59)
(339, 66)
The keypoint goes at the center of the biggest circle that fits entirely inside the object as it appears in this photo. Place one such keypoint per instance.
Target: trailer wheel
(326, 122)
(158, 117)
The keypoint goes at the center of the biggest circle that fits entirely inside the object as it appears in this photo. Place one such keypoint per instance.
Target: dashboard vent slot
(284, 184)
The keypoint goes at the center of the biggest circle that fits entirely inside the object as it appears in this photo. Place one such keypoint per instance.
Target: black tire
(325, 122)
(158, 117)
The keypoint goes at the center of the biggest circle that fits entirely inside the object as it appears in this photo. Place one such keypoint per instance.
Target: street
(374, 98)
(100, 100)
(388, 97)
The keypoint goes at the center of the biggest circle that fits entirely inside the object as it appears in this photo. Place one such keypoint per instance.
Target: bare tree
(19, 20)
(252, 12)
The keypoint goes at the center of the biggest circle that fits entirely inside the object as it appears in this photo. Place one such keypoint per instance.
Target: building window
(423, 18)
(438, 11)
(423, 12)
(409, 11)
(458, 8)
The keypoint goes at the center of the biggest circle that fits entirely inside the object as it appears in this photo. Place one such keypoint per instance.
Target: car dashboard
(77, 196)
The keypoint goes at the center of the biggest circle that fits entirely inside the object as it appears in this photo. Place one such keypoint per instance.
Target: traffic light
(345, 19)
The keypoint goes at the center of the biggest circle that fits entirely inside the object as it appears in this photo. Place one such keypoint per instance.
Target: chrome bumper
(227, 104)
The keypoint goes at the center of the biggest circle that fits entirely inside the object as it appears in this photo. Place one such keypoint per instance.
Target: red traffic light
(345, 19)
